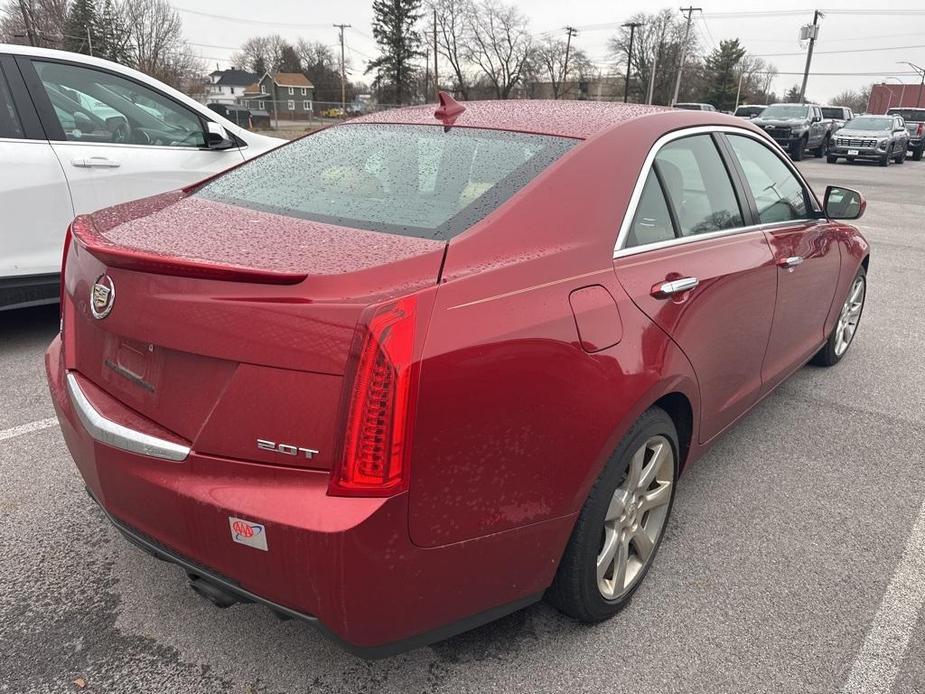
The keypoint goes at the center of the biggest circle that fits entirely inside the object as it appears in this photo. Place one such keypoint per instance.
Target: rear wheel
(822, 149)
(622, 523)
(848, 320)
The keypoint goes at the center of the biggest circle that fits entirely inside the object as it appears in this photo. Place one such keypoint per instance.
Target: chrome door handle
(96, 162)
(666, 289)
(791, 262)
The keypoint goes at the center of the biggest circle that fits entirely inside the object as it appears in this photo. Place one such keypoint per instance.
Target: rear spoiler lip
(84, 231)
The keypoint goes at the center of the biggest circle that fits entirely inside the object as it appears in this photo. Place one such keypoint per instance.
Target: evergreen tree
(722, 75)
(793, 95)
(112, 36)
(399, 44)
(80, 27)
(289, 60)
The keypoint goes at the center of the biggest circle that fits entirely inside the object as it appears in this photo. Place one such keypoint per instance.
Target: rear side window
(415, 180)
(778, 194)
(652, 222)
(9, 120)
(698, 186)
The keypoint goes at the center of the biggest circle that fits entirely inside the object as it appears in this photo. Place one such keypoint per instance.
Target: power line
(242, 20)
(844, 50)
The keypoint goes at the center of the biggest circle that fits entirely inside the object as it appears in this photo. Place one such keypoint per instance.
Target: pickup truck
(796, 128)
(915, 126)
(839, 115)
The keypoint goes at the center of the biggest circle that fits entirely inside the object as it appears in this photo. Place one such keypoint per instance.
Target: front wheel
(848, 320)
(917, 153)
(622, 523)
(901, 156)
(831, 159)
(886, 157)
(796, 149)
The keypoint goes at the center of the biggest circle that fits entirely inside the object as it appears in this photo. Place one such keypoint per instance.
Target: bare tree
(260, 53)
(452, 37)
(157, 47)
(500, 44)
(46, 19)
(549, 58)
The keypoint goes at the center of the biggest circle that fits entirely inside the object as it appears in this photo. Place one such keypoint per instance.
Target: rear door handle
(791, 262)
(665, 289)
(96, 162)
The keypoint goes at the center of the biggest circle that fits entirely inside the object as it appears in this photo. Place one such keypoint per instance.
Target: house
(286, 95)
(227, 86)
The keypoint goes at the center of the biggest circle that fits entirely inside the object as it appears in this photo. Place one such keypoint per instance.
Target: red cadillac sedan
(419, 370)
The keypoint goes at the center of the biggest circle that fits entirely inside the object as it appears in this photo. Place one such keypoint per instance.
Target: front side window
(9, 119)
(415, 180)
(99, 107)
(779, 194)
(698, 186)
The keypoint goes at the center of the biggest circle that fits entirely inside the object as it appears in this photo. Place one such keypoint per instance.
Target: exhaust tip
(211, 592)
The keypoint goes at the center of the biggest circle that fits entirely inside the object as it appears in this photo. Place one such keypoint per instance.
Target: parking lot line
(37, 425)
(881, 656)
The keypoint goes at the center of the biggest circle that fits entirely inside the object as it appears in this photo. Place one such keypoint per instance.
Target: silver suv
(882, 138)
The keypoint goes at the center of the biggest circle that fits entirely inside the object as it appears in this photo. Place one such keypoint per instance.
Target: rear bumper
(345, 564)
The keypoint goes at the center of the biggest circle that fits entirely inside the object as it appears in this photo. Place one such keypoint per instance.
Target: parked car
(750, 111)
(915, 126)
(239, 115)
(78, 134)
(796, 128)
(333, 112)
(695, 107)
(401, 404)
(839, 115)
(881, 138)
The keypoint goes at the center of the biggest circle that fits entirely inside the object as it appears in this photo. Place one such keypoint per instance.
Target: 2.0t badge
(102, 296)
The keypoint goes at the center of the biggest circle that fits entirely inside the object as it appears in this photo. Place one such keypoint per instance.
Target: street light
(921, 71)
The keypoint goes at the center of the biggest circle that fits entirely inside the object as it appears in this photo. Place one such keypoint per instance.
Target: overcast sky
(216, 27)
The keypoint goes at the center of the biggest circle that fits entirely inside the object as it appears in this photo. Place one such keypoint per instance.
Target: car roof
(577, 119)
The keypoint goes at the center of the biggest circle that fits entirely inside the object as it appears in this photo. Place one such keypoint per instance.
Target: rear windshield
(415, 180)
(832, 112)
(749, 111)
(915, 114)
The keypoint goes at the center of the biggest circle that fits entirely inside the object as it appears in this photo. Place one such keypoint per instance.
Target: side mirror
(217, 137)
(843, 203)
(816, 119)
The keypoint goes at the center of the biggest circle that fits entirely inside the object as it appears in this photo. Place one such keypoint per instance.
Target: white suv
(78, 134)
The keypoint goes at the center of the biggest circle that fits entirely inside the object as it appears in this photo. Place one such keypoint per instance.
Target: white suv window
(94, 106)
(9, 120)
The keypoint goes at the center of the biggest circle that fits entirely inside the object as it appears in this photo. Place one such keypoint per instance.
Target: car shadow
(25, 328)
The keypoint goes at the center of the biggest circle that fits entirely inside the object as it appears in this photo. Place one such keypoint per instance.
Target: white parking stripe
(881, 656)
(28, 428)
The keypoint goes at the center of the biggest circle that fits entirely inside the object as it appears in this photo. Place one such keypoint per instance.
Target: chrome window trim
(619, 251)
(112, 434)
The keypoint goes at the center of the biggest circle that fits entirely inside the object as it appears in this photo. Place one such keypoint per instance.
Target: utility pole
(629, 59)
(687, 30)
(739, 90)
(343, 71)
(569, 33)
(436, 79)
(89, 41)
(658, 55)
(810, 31)
(27, 20)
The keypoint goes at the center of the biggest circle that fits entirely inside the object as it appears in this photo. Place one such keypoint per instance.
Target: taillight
(67, 247)
(374, 461)
(921, 129)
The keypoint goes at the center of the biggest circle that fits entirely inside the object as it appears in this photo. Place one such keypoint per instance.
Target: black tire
(900, 156)
(828, 355)
(831, 159)
(886, 157)
(574, 590)
(822, 149)
(917, 153)
(797, 149)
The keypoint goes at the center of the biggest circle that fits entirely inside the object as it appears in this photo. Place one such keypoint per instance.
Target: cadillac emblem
(102, 296)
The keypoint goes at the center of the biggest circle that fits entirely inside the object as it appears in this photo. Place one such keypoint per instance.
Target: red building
(884, 96)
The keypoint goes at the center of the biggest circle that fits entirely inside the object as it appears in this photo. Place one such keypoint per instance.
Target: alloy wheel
(850, 316)
(636, 517)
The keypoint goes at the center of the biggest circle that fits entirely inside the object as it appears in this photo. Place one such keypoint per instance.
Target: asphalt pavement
(794, 560)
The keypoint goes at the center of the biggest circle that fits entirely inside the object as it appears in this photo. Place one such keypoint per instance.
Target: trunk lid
(230, 325)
